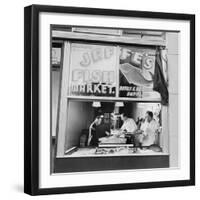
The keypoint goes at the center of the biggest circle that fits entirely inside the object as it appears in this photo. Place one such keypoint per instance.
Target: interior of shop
(81, 114)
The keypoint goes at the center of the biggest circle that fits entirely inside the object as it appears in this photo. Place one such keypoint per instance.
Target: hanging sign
(92, 70)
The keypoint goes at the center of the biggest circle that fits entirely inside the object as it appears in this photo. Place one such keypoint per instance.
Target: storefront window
(106, 131)
(112, 106)
(112, 71)
(136, 71)
(93, 70)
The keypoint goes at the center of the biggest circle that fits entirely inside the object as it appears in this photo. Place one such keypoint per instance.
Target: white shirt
(149, 129)
(129, 125)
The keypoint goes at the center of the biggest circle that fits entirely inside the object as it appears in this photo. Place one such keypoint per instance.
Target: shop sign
(56, 56)
(136, 72)
(92, 70)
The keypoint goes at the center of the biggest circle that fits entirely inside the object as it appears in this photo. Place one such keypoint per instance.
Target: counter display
(112, 140)
(111, 150)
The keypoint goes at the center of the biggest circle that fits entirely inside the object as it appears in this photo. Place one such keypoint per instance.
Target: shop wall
(80, 116)
(173, 69)
(54, 99)
(140, 109)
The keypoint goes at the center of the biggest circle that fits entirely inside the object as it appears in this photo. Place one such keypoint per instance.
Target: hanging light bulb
(119, 104)
(96, 104)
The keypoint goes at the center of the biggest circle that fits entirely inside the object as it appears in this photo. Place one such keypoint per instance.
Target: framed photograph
(109, 99)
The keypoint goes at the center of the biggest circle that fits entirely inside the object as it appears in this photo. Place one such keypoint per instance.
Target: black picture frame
(31, 98)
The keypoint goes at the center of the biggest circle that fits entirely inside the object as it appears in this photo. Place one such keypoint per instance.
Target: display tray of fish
(114, 150)
(113, 140)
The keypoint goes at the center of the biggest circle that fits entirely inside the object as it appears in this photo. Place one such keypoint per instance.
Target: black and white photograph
(111, 98)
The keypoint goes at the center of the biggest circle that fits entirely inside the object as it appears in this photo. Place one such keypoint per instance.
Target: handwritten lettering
(96, 55)
(93, 76)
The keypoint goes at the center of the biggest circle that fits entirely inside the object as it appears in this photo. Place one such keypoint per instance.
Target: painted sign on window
(136, 68)
(56, 56)
(92, 70)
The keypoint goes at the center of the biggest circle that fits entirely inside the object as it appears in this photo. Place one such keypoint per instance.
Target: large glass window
(112, 108)
(93, 70)
(106, 132)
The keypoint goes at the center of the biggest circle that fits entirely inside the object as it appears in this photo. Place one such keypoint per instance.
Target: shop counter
(110, 158)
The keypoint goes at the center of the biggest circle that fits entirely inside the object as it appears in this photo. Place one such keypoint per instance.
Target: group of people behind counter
(143, 133)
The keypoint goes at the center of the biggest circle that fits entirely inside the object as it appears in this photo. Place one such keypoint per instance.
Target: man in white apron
(149, 130)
